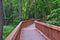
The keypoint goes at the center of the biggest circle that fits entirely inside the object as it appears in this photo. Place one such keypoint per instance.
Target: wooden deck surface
(29, 33)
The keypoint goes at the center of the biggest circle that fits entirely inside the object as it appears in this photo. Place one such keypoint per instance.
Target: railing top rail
(13, 33)
(49, 25)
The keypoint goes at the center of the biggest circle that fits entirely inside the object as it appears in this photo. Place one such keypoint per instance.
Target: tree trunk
(4, 13)
(20, 10)
(1, 20)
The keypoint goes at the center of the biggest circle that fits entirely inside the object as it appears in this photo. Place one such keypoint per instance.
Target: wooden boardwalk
(29, 33)
(34, 30)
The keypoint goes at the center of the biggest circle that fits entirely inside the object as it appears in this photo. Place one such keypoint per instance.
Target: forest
(15, 11)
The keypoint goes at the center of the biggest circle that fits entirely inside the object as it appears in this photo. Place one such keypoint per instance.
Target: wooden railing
(50, 32)
(15, 34)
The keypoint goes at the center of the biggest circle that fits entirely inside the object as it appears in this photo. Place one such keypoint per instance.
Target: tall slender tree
(1, 20)
(20, 10)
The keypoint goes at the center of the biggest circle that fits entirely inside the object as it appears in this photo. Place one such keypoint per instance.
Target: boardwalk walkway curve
(34, 30)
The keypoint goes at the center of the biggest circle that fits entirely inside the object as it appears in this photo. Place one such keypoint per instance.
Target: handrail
(49, 25)
(16, 33)
(13, 34)
(51, 31)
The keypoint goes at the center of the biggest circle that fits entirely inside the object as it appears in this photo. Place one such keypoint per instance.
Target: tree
(20, 9)
(1, 20)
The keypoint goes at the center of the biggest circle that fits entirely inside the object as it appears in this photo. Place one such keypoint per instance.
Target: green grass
(7, 29)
